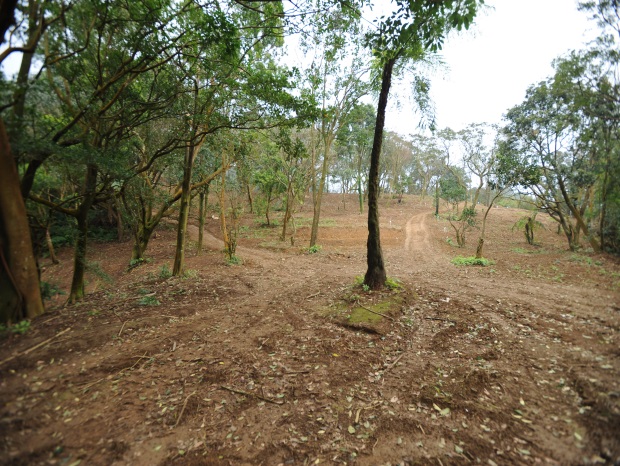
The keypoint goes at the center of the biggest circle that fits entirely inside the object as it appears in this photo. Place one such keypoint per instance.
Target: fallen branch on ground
(241, 392)
(30, 350)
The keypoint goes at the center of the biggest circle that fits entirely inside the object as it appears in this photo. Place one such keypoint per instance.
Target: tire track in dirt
(417, 238)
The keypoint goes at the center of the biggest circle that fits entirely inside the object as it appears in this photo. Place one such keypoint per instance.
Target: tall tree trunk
(287, 212)
(141, 241)
(186, 191)
(250, 198)
(50, 246)
(327, 142)
(20, 295)
(79, 258)
(203, 200)
(603, 210)
(360, 191)
(268, 206)
(578, 217)
(375, 275)
(223, 226)
(482, 231)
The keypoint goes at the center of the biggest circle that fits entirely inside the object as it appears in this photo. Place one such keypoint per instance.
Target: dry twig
(241, 392)
(183, 408)
(375, 312)
(30, 350)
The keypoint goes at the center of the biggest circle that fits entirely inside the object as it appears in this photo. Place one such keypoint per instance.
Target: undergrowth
(460, 260)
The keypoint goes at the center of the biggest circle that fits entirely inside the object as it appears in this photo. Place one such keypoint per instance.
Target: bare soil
(286, 360)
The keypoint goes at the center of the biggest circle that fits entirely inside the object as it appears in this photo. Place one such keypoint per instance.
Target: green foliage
(529, 225)
(452, 186)
(190, 274)
(165, 272)
(133, 263)
(20, 328)
(49, 290)
(149, 301)
(96, 269)
(393, 284)
(314, 249)
(233, 260)
(468, 261)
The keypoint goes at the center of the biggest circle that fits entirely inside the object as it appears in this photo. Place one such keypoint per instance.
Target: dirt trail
(261, 364)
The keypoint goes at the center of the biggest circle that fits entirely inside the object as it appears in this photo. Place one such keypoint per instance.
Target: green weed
(467, 261)
(393, 284)
(165, 272)
(314, 249)
(149, 301)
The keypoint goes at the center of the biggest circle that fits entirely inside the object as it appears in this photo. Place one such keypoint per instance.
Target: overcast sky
(491, 66)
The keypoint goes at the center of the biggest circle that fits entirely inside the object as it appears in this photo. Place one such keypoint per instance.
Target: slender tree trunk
(50, 246)
(79, 257)
(179, 258)
(603, 210)
(359, 184)
(375, 275)
(20, 296)
(202, 212)
(223, 211)
(436, 199)
(268, 206)
(119, 221)
(141, 241)
(250, 198)
(578, 217)
(319, 194)
(482, 231)
(287, 212)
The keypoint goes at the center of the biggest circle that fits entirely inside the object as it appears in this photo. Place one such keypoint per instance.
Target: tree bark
(50, 246)
(314, 233)
(79, 257)
(20, 295)
(203, 200)
(482, 231)
(186, 191)
(375, 275)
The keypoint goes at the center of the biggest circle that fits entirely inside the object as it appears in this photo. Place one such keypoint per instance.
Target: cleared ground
(285, 360)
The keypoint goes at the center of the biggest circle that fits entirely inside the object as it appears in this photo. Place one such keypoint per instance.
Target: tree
(415, 29)
(544, 150)
(354, 140)
(20, 296)
(337, 79)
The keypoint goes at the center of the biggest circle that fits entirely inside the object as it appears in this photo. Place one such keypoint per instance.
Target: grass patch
(467, 261)
(314, 249)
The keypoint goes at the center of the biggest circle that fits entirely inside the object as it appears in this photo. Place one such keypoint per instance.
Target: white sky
(491, 65)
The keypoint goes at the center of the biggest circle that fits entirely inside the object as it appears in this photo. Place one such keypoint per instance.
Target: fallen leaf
(458, 449)
(351, 429)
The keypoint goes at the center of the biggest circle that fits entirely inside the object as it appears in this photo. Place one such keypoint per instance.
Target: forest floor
(286, 360)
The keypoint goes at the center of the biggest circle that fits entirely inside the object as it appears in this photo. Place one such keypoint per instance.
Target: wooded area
(122, 115)
(213, 253)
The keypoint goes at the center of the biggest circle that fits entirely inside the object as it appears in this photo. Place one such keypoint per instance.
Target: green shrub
(314, 249)
(165, 272)
(149, 301)
(393, 284)
(234, 260)
(459, 260)
(49, 290)
(18, 328)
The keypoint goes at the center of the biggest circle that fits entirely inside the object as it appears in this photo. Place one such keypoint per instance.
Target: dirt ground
(286, 360)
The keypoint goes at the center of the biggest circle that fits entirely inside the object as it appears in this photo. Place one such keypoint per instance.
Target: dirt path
(261, 363)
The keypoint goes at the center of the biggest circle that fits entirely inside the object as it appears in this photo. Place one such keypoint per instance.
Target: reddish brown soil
(515, 363)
